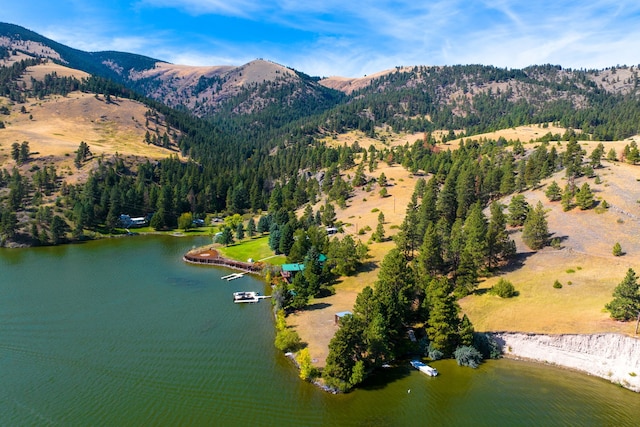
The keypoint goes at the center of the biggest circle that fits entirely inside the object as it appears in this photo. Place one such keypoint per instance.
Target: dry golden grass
(55, 126)
(586, 261)
(588, 239)
(522, 133)
(316, 325)
(38, 72)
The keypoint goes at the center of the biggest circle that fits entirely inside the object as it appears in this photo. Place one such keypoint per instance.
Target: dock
(247, 296)
(233, 276)
(212, 257)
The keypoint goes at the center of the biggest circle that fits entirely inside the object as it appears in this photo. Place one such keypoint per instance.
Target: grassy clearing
(256, 248)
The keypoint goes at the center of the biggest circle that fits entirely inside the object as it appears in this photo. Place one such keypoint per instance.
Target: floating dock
(233, 276)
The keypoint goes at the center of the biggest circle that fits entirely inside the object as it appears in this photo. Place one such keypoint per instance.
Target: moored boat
(424, 368)
(246, 296)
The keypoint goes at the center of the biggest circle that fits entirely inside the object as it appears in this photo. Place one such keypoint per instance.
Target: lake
(122, 332)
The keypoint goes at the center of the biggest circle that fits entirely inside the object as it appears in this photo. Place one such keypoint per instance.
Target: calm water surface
(123, 333)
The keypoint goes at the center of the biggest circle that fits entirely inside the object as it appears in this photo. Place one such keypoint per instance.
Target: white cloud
(338, 37)
(241, 8)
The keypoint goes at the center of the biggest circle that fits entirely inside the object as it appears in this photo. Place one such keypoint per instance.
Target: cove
(123, 332)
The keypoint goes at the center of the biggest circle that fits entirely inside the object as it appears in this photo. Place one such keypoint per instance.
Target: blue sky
(349, 38)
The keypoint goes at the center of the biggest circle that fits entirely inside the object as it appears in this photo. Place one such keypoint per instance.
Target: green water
(123, 333)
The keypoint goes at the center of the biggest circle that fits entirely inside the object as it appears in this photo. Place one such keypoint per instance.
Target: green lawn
(256, 248)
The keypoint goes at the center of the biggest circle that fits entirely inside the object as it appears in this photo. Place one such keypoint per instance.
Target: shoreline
(210, 256)
(610, 356)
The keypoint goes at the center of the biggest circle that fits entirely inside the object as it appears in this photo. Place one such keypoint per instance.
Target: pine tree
(329, 215)
(617, 249)
(226, 238)
(626, 302)
(518, 208)
(240, 231)
(553, 192)
(465, 330)
(286, 239)
(475, 232)
(499, 244)
(264, 224)
(596, 156)
(378, 235)
(274, 237)
(429, 259)
(507, 183)
(394, 290)
(407, 239)
(572, 159)
(567, 198)
(535, 231)
(584, 197)
(251, 228)
(442, 328)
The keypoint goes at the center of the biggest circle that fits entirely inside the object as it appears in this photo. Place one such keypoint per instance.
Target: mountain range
(411, 97)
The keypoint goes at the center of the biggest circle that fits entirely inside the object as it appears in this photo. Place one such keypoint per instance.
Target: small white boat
(246, 296)
(424, 368)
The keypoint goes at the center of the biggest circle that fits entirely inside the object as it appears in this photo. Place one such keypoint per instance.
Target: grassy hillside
(584, 265)
(55, 126)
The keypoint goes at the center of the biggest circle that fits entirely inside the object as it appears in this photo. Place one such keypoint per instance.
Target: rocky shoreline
(614, 357)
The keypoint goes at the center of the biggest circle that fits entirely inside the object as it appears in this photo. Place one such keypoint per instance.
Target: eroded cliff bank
(613, 357)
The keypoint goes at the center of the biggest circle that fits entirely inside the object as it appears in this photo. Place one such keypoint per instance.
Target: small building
(290, 270)
(338, 316)
(127, 222)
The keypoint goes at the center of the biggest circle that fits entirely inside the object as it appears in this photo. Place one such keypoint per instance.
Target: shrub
(288, 340)
(557, 285)
(307, 370)
(555, 243)
(487, 345)
(570, 270)
(374, 210)
(617, 249)
(503, 289)
(468, 356)
(433, 353)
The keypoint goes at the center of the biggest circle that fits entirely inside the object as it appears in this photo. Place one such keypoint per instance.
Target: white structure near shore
(613, 357)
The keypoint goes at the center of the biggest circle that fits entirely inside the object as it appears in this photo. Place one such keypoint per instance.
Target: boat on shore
(424, 368)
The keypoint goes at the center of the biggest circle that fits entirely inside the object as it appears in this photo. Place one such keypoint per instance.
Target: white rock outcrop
(613, 357)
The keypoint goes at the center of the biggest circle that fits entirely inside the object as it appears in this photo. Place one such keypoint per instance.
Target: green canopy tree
(518, 208)
(185, 221)
(499, 245)
(536, 230)
(584, 197)
(240, 231)
(251, 227)
(626, 298)
(429, 259)
(553, 192)
(346, 349)
(394, 289)
(442, 329)
(226, 238)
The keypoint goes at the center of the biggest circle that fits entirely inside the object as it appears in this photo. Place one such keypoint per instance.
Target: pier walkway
(212, 257)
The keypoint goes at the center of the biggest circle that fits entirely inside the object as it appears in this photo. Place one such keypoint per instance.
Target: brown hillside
(178, 83)
(54, 128)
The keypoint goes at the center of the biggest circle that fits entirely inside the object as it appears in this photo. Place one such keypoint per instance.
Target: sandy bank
(613, 357)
